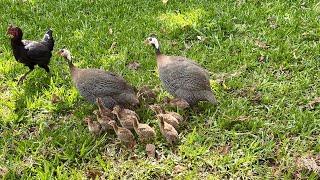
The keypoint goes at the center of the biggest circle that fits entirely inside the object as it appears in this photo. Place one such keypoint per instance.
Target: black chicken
(31, 53)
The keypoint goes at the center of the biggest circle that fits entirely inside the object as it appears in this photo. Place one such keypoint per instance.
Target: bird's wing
(37, 51)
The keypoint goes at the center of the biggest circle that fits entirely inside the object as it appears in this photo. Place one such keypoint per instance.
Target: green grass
(259, 130)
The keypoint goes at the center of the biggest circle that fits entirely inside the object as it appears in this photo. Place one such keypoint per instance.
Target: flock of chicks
(129, 120)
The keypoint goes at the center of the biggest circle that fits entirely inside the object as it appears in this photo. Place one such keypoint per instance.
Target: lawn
(264, 62)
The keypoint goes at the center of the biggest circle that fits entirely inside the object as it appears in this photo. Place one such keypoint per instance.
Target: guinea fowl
(168, 131)
(94, 83)
(123, 134)
(144, 131)
(182, 77)
(126, 117)
(31, 53)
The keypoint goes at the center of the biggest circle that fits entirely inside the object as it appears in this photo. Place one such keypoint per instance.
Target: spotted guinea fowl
(94, 83)
(31, 53)
(182, 77)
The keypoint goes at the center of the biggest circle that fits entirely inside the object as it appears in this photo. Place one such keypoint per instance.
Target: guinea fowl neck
(157, 49)
(72, 67)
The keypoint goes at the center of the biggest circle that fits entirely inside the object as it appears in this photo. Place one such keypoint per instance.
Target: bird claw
(20, 81)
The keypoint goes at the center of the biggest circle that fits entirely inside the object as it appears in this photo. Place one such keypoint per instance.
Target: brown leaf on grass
(174, 43)
(147, 94)
(93, 174)
(178, 169)
(225, 149)
(187, 46)
(308, 163)
(262, 59)
(272, 22)
(55, 99)
(134, 65)
(151, 150)
(312, 104)
(113, 45)
(3, 171)
(261, 44)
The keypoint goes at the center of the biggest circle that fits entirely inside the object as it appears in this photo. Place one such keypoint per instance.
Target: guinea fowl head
(65, 53)
(152, 41)
(14, 32)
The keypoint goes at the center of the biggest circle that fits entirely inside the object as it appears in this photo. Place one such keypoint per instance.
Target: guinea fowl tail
(210, 97)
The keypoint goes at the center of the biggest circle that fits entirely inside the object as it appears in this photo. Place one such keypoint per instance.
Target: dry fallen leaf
(55, 99)
(151, 150)
(178, 169)
(113, 45)
(93, 173)
(187, 46)
(134, 65)
(3, 171)
(312, 104)
(308, 163)
(262, 59)
(261, 44)
(225, 149)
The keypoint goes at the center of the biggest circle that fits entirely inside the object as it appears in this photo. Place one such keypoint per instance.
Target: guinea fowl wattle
(182, 77)
(31, 53)
(97, 83)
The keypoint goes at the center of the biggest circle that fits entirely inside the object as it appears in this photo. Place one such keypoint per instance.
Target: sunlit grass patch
(180, 20)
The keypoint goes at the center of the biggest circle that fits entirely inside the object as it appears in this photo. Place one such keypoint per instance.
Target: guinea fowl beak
(146, 42)
(59, 53)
